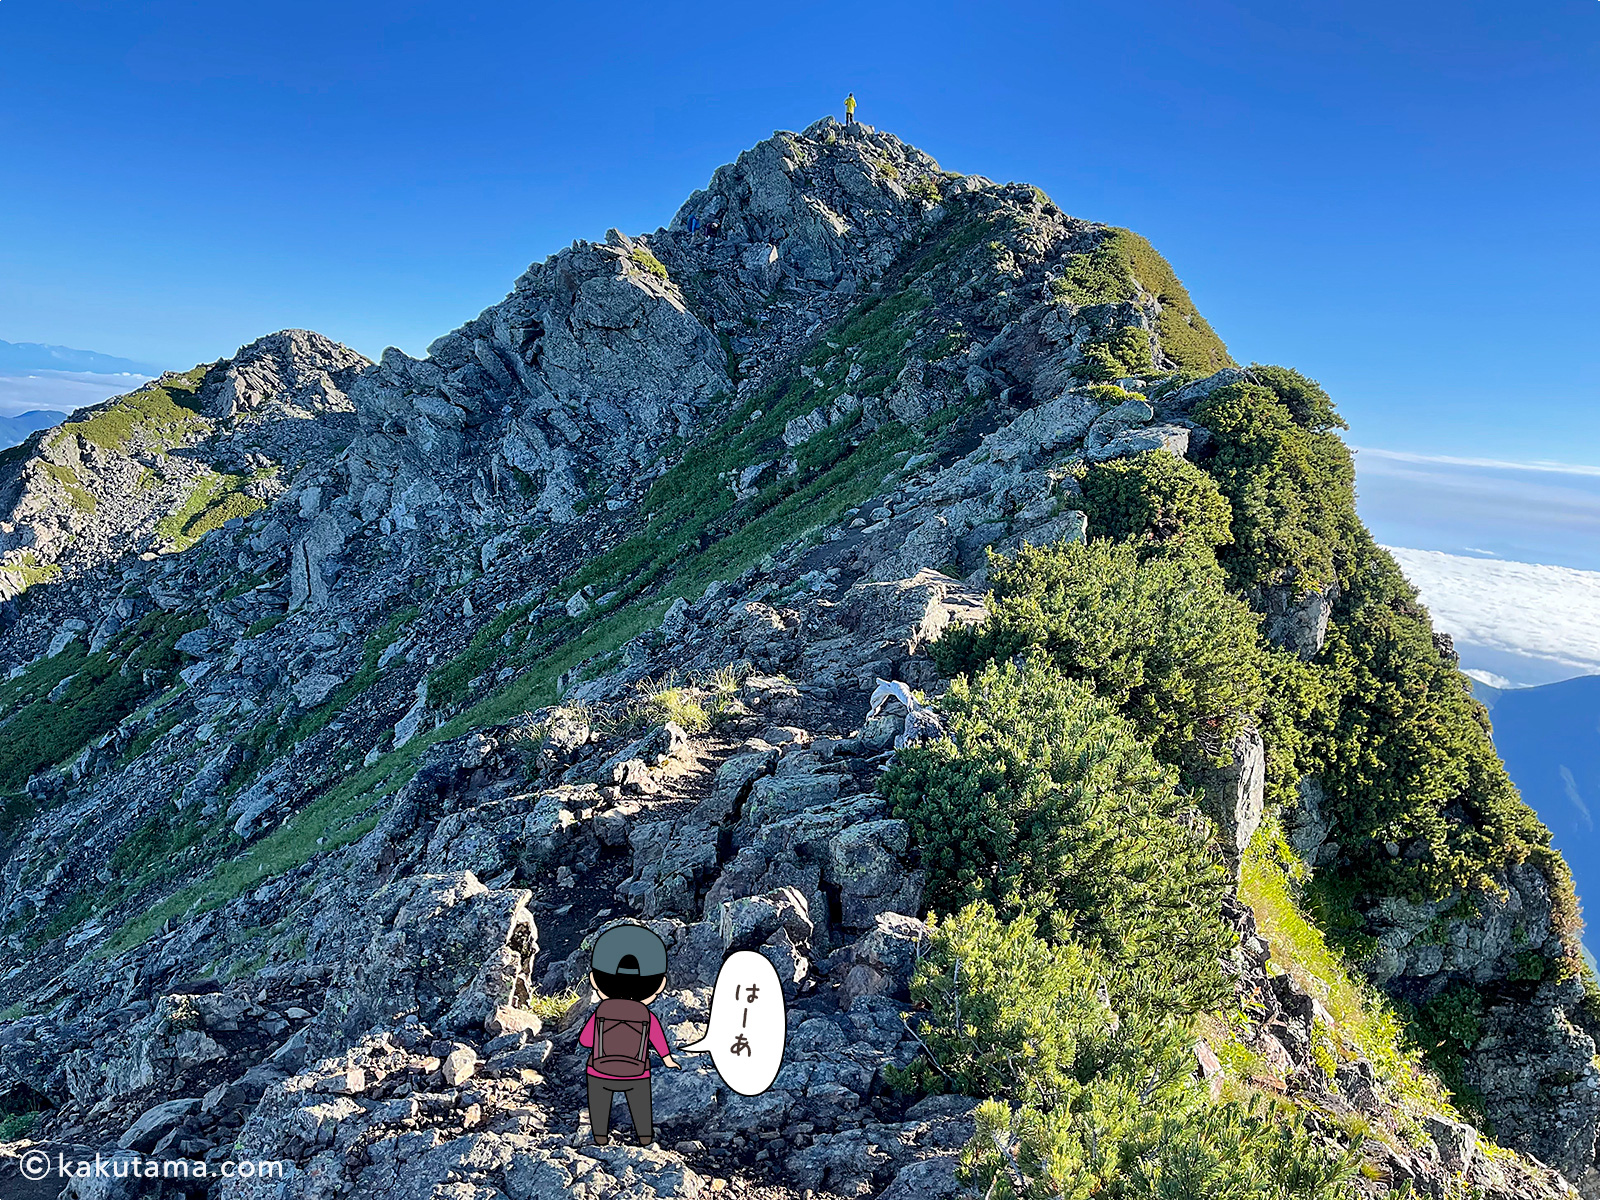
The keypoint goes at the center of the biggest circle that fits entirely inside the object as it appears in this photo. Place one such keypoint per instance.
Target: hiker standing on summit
(628, 967)
(850, 109)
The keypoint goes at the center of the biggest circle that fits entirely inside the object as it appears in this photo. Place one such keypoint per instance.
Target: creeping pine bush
(1307, 402)
(1382, 716)
(1161, 502)
(1291, 486)
(1163, 640)
(1410, 758)
(1123, 352)
(1115, 1142)
(1007, 1013)
(1106, 1103)
(1044, 799)
(1165, 506)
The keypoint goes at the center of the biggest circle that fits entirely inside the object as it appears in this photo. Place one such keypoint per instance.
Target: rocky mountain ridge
(346, 700)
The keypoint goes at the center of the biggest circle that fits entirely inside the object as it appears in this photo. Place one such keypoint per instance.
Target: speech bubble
(749, 1024)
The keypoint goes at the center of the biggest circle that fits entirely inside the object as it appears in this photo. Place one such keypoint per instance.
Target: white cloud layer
(60, 391)
(1528, 622)
(1492, 464)
(1522, 512)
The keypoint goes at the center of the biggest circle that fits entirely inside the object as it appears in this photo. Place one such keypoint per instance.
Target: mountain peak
(346, 704)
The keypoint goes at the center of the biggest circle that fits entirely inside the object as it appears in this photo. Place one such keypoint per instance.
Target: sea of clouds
(1511, 567)
(60, 391)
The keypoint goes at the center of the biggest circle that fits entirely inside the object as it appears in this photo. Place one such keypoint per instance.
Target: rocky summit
(876, 568)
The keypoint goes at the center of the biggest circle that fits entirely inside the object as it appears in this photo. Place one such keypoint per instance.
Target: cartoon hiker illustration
(628, 967)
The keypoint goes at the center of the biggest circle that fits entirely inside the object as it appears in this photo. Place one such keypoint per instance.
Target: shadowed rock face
(370, 733)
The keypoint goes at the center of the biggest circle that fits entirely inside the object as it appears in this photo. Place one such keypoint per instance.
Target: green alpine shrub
(1123, 352)
(1006, 1013)
(1101, 1096)
(1164, 641)
(1292, 489)
(1116, 1142)
(1410, 759)
(1307, 402)
(1160, 502)
(1044, 800)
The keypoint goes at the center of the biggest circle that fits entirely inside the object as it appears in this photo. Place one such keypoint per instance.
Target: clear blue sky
(1398, 199)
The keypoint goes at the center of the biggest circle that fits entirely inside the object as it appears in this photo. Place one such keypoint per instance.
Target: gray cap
(622, 940)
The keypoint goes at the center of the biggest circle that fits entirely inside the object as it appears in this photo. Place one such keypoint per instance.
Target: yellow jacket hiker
(850, 109)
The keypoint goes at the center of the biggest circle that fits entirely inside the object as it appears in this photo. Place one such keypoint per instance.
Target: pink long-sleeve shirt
(658, 1042)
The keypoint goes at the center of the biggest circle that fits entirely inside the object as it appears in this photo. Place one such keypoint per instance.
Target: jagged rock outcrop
(590, 365)
(1298, 620)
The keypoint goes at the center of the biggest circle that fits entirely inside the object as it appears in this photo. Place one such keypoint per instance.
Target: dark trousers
(849, 118)
(603, 1091)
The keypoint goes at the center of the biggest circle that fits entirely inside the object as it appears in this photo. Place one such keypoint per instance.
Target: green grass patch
(377, 642)
(15, 812)
(338, 818)
(39, 678)
(212, 500)
(645, 261)
(33, 571)
(77, 910)
(243, 584)
(257, 628)
(1115, 270)
(106, 687)
(1364, 1021)
(551, 1008)
(165, 414)
(82, 500)
(162, 848)
(148, 737)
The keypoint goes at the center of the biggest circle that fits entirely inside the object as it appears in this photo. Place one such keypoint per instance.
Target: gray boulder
(1296, 620)
(1236, 793)
(155, 1122)
(444, 947)
(1053, 425)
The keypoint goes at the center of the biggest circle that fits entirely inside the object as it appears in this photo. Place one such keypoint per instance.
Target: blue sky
(1396, 199)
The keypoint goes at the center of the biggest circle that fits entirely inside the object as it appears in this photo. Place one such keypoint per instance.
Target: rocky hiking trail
(672, 834)
(764, 834)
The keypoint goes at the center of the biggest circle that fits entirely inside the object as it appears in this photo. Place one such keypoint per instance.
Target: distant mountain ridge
(13, 430)
(36, 356)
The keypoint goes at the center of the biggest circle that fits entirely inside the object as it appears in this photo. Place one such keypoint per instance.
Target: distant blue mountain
(34, 356)
(1549, 737)
(14, 430)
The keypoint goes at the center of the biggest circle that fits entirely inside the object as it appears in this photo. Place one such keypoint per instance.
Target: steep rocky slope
(346, 700)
